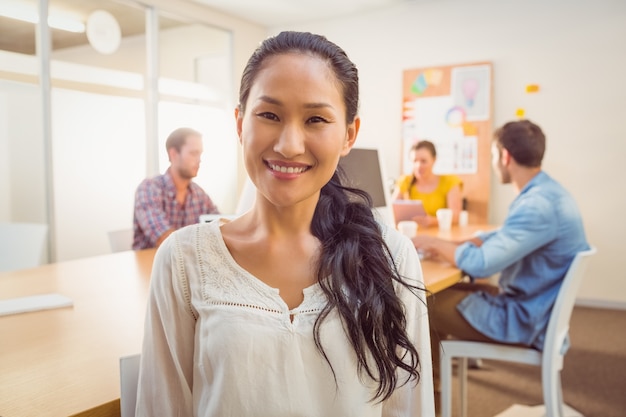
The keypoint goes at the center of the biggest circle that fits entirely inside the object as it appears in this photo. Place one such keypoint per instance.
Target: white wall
(576, 52)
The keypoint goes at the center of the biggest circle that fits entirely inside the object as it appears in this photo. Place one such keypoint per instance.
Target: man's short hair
(523, 140)
(177, 138)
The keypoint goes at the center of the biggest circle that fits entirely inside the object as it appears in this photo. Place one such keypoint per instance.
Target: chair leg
(552, 392)
(445, 378)
(462, 370)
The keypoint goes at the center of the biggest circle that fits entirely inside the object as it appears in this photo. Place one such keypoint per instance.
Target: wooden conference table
(65, 361)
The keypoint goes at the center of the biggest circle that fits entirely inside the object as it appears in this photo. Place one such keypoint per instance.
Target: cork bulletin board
(452, 107)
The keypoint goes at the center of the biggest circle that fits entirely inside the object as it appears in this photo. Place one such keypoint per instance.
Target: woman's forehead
(298, 74)
(289, 60)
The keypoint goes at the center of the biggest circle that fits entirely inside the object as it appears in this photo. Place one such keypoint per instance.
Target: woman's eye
(317, 119)
(268, 116)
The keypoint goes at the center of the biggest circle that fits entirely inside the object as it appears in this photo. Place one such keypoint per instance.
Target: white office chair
(22, 245)
(129, 375)
(121, 240)
(550, 360)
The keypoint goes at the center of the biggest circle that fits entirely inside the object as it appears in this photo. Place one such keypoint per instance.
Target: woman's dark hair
(524, 140)
(425, 144)
(354, 254)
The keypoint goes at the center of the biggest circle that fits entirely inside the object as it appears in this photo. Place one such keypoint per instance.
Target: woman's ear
(351, 134)
(239, 121)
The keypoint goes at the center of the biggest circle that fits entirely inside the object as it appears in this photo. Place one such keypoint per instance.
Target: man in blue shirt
(532, 252)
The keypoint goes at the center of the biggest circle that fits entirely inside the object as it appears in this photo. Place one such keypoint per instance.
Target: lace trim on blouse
(224, 282)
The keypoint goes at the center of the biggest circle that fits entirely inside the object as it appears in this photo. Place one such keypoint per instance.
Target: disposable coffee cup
(408, 228)
(463, 218)
(444, 218)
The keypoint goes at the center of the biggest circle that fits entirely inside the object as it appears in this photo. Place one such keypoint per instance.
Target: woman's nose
(290, 142)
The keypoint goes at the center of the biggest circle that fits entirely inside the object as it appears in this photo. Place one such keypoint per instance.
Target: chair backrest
(22, 245)
(558, 326)
(129, 375)
(121, 240)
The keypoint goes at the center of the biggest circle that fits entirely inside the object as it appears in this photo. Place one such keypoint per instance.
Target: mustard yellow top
(434, 200)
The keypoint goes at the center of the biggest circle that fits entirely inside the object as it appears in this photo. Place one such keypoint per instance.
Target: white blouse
(220, 342)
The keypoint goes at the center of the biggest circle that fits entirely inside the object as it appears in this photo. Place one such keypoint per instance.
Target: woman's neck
(429, 178)
(427, 183)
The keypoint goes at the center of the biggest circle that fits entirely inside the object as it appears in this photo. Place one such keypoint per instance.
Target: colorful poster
(442, 107)
(471, 88)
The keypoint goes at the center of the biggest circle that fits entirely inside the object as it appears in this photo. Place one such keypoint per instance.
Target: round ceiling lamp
(103, 32)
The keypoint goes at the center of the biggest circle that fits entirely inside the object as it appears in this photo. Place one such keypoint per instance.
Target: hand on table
(424, 246)
(425, 221)
(435, 248)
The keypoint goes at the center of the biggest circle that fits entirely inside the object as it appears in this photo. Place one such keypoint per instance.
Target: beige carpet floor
(593, 376)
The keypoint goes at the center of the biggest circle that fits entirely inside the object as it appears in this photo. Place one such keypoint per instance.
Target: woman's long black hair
(355, 269)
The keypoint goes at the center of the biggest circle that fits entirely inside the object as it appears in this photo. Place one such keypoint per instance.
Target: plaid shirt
(156, 209)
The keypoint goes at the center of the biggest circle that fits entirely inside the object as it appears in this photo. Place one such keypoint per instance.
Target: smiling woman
(305, 304)
(311, 129)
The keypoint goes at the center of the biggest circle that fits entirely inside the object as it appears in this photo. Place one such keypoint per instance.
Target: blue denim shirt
(532, 250)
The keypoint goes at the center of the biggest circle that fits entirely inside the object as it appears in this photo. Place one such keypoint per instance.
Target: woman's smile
(287, 167)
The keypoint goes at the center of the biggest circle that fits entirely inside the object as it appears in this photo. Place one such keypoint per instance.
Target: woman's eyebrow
(270, 100)
(315, 105)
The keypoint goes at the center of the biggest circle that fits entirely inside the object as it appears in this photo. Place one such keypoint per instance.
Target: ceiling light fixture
(27, 13)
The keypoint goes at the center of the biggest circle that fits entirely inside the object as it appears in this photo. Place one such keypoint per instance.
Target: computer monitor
(364, 169)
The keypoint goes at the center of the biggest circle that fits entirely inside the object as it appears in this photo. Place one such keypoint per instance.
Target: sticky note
(532, 88)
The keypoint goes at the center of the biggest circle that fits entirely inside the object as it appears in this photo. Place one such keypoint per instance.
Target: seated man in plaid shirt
(170, 201)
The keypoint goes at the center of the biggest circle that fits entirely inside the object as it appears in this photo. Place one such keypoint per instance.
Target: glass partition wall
(22, 151)
(117, 88)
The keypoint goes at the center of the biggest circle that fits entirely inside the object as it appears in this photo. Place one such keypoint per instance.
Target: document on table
(34, 303)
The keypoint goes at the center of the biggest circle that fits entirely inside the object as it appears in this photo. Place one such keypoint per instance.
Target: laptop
(407, 209)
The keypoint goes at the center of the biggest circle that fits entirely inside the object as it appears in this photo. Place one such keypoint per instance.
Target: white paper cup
(444, 218)
(463, 218)
(408, 228)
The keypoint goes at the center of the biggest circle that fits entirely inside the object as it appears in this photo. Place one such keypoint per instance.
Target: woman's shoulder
(395, 241)
(188, 232)
(404, 180)
(189, 239)
(448, 181)
(196, 249)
